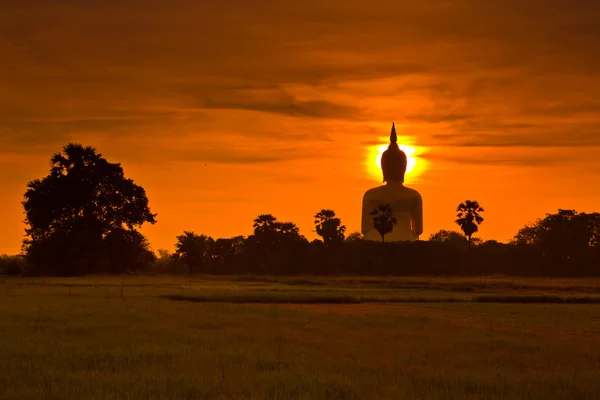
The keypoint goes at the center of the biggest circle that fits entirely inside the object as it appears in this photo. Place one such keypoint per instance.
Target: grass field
(299, 338)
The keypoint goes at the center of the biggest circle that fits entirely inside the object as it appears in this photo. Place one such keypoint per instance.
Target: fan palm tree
(468, 217)
(74, 156)
(383, 219)
(194, 250)
(264, 223)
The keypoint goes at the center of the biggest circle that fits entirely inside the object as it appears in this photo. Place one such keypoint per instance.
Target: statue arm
(366, 222)
(417, 216)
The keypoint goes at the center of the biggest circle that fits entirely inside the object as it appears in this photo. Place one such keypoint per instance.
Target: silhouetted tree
(194, 251)
(268, 231)
(383, 219)
(128, 250)
(12, 265)
(329, 227)
(227, 254)
(454, 238)
(70, 212)
(264, 224)
(287, 229)
(166, 262)
(274, 245)
(567, 237)
(468, 217)
(354, 236)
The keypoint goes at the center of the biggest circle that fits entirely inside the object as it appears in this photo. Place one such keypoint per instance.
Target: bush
(12, 265)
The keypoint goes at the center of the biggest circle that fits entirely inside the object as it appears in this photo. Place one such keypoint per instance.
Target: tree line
(84, 216)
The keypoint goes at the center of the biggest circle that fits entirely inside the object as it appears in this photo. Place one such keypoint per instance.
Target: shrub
(12, 265)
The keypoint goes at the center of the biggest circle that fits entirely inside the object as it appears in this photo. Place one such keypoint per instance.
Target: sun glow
(415, 165)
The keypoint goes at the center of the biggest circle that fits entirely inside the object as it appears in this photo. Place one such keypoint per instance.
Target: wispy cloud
(276, 101)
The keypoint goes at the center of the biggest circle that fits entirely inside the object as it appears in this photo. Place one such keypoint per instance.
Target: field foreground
(299, 339)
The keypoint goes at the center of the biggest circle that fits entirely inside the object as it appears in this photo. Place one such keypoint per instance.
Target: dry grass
(77, 339)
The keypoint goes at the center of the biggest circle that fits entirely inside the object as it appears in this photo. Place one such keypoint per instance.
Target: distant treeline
(551, 247)
(83, 218)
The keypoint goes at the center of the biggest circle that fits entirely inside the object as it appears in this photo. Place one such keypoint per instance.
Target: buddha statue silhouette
(406, 203)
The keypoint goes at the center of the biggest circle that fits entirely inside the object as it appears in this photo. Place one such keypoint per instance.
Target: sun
(415, 165)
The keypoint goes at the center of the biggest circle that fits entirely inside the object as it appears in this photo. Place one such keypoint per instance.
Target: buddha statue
(406, 203)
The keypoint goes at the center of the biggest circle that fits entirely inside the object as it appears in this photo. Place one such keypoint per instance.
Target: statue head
(393, 160)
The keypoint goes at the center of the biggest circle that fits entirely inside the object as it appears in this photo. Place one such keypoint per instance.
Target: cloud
(520, 135)
(454, 74)
(499, 159)
(433, 118)
(567, 109)
(234, 156)
(277, 101)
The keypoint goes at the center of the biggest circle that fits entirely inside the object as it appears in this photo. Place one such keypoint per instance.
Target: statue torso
(404, 201)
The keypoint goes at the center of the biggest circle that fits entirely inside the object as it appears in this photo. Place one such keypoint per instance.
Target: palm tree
(287, 228)
(264, 223)
(383, 219)
(469, 218)
(74, 156)
(194, 250)
(329, 227)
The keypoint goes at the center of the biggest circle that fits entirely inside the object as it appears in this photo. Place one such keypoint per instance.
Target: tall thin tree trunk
(469, 264)
(123, 284)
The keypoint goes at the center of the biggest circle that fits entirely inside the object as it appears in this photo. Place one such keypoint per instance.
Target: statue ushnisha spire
(393, 160)
(393, 136)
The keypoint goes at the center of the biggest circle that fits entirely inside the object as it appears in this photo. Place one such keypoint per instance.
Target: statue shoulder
(373, 192)
(414, 193)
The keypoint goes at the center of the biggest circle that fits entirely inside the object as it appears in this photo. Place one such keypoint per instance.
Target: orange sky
(284, 103)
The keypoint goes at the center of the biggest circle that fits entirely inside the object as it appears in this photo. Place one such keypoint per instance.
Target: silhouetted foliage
(277, 248)
(468, 218)
(383, 219)
(566, 240)
(71, 212)
(274, 246)
(195, 251)
(355, 236)
(454, 238)
(227, 254)
(167, 263)
(83, 218)
(12, 265)
(329, 227)
(128, 251)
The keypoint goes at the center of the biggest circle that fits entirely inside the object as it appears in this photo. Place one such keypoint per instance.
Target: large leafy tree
(128, 250)
(469, 217)
(383, 219)
(565, 236)
(329, 227)
(71, 211)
